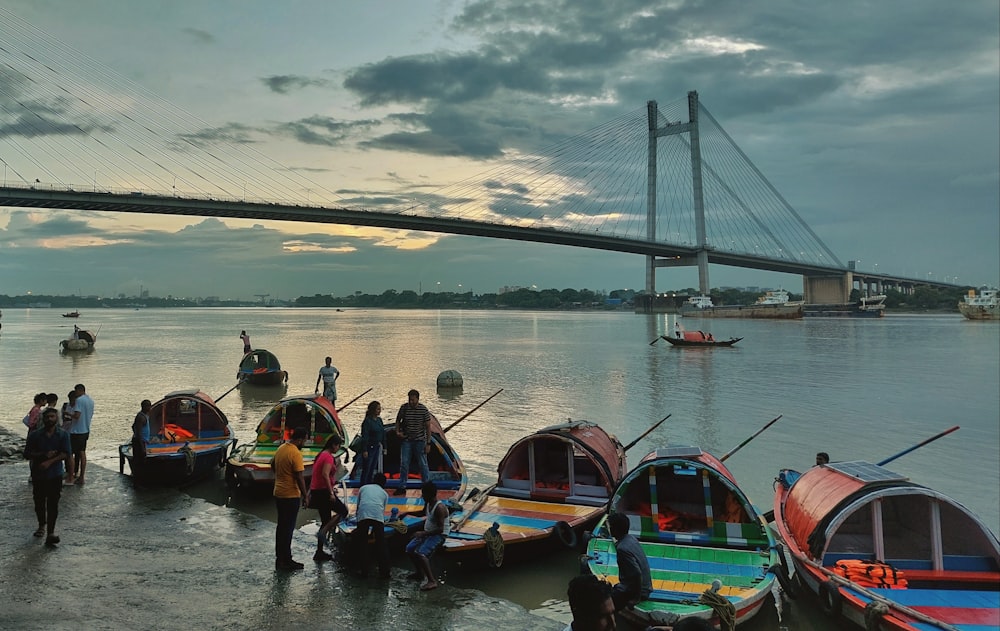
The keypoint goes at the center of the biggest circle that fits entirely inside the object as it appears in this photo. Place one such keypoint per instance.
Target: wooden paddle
(467, 513)
(353, 400)
(917, 446)
(464, 416)
(755, 434)
(646, 433)
(230, 390)
(656, 340)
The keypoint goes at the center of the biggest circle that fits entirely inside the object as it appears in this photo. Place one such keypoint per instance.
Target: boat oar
(656, 340)
(353, 400)
(467, 513)
(755, 434)
(646, 433)
(472, 410)
(917, 446)
(230, 390)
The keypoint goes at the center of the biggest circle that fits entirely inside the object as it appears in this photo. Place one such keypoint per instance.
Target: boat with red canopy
(886, 553)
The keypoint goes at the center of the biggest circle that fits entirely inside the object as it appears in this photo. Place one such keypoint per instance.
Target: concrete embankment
(161, 559)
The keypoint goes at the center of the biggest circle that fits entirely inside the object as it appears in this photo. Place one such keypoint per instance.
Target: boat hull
(700, 343)
(980, 312)
(271, 378)
(850, 310)
(787, 311)
(170, 464)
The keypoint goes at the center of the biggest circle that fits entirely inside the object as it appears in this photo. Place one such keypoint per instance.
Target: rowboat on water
(261, 368)
(446, 471)
(699, 339)
(880, 550)
(190, 438)
(696, 526)
(71, 314)
(249, 466)
(551, 485)
(80, 341)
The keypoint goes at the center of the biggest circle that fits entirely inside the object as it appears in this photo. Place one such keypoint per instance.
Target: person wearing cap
(289, 494)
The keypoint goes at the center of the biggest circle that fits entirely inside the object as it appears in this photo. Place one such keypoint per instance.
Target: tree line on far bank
(923, 299)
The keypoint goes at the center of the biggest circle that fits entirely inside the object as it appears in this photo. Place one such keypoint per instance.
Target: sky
(878, 122)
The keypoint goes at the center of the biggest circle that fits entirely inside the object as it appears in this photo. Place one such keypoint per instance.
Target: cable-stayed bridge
(667, 183)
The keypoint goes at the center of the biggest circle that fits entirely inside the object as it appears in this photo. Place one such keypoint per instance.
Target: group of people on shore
(56, 449)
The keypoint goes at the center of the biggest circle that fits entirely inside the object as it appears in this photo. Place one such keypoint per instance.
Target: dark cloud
(323, 130)
(284, 84)
(198, 35)
(235, 133)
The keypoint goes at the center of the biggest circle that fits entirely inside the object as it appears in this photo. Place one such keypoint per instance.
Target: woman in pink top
(31, 418)
(323, 493)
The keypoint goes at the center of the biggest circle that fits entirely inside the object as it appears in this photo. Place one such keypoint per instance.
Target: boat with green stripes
(697, 527)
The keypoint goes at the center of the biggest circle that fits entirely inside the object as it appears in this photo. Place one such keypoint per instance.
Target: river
(858, 389)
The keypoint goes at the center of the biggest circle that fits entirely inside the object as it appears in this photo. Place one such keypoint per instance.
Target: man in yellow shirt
(289, 494)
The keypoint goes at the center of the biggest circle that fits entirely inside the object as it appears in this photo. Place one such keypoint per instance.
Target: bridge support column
(698, 194)
(832, 289)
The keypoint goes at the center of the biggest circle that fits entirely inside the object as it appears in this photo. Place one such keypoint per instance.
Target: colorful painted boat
(945, 562)
(551, 485)
(695, 525)
(250, 465)
(261, 368)
(190, 439)
(446, 469)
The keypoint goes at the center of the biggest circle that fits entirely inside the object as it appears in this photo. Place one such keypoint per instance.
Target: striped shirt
(413, 420)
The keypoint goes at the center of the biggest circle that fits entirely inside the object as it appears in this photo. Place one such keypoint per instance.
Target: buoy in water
(449, 379)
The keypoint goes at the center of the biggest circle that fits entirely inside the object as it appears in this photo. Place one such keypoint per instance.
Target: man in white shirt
(370, 514)
(328, 375)
(79, 431)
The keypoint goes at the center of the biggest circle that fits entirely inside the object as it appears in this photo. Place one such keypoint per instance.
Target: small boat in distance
(696, 527)
(984, 306)
(699, 339)
(190, 439)
(71, 314)
(551, 485)
(261, 368)
(249, 466)
(871, 543)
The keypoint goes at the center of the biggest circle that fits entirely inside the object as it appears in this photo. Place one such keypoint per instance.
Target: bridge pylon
(700, 257)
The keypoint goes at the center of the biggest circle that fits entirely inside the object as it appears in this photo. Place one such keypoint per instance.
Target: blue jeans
(288, 512)
(407, 450)
(424, 546)
(370, 465)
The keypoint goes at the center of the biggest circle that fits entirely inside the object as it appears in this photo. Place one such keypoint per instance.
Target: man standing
(246, 342)
(79, 432)
(289, 494)
(634, 580)
(413, 427)
(140, 432)
(47, 448)
(328, 375)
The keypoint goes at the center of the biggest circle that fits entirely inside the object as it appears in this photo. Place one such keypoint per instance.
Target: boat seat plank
(958, 576)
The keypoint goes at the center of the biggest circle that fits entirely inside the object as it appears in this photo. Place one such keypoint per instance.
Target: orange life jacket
(870, 573)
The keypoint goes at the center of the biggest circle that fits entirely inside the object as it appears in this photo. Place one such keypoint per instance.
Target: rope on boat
(399, 526)
(494, 545)
(188, 458)
(874, 611)
(720, 605)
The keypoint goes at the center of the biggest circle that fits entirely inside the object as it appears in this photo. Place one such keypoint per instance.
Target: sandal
(426, 587)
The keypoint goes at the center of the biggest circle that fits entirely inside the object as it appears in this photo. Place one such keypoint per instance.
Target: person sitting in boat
(635, 582)
(710, 338)
(436, 527)
(822, 458)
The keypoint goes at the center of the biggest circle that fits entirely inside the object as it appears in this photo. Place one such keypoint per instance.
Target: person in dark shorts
(323, 493)
(79, 431)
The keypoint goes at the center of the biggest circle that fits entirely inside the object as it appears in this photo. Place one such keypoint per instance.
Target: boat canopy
(190, 414)
(858, 510)
(314, 412)
(576, 462)
(258, 361)
(682, 494)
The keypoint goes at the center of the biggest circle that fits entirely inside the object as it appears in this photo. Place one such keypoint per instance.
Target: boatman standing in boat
(678, 331)
(246, 342)
(328, 375)
(413, 427)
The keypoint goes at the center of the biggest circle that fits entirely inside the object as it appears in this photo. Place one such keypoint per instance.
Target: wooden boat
(699, 339)
(261, 368)
(84, 340)
(551, 485)
(848, 515)
(190, 439)
(446, 469)
(71, 314)
(250, 465)
(695, 525)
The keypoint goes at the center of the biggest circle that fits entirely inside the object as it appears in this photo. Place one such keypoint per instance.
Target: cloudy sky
(879, 122)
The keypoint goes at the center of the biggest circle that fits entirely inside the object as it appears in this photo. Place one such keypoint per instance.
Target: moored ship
(865, 307)
(982, 306)
(772, 305)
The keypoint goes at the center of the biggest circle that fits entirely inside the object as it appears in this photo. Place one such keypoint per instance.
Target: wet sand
(157, 558)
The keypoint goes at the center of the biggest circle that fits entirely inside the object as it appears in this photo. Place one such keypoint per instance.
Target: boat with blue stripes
(710, 553)
(883, 552)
